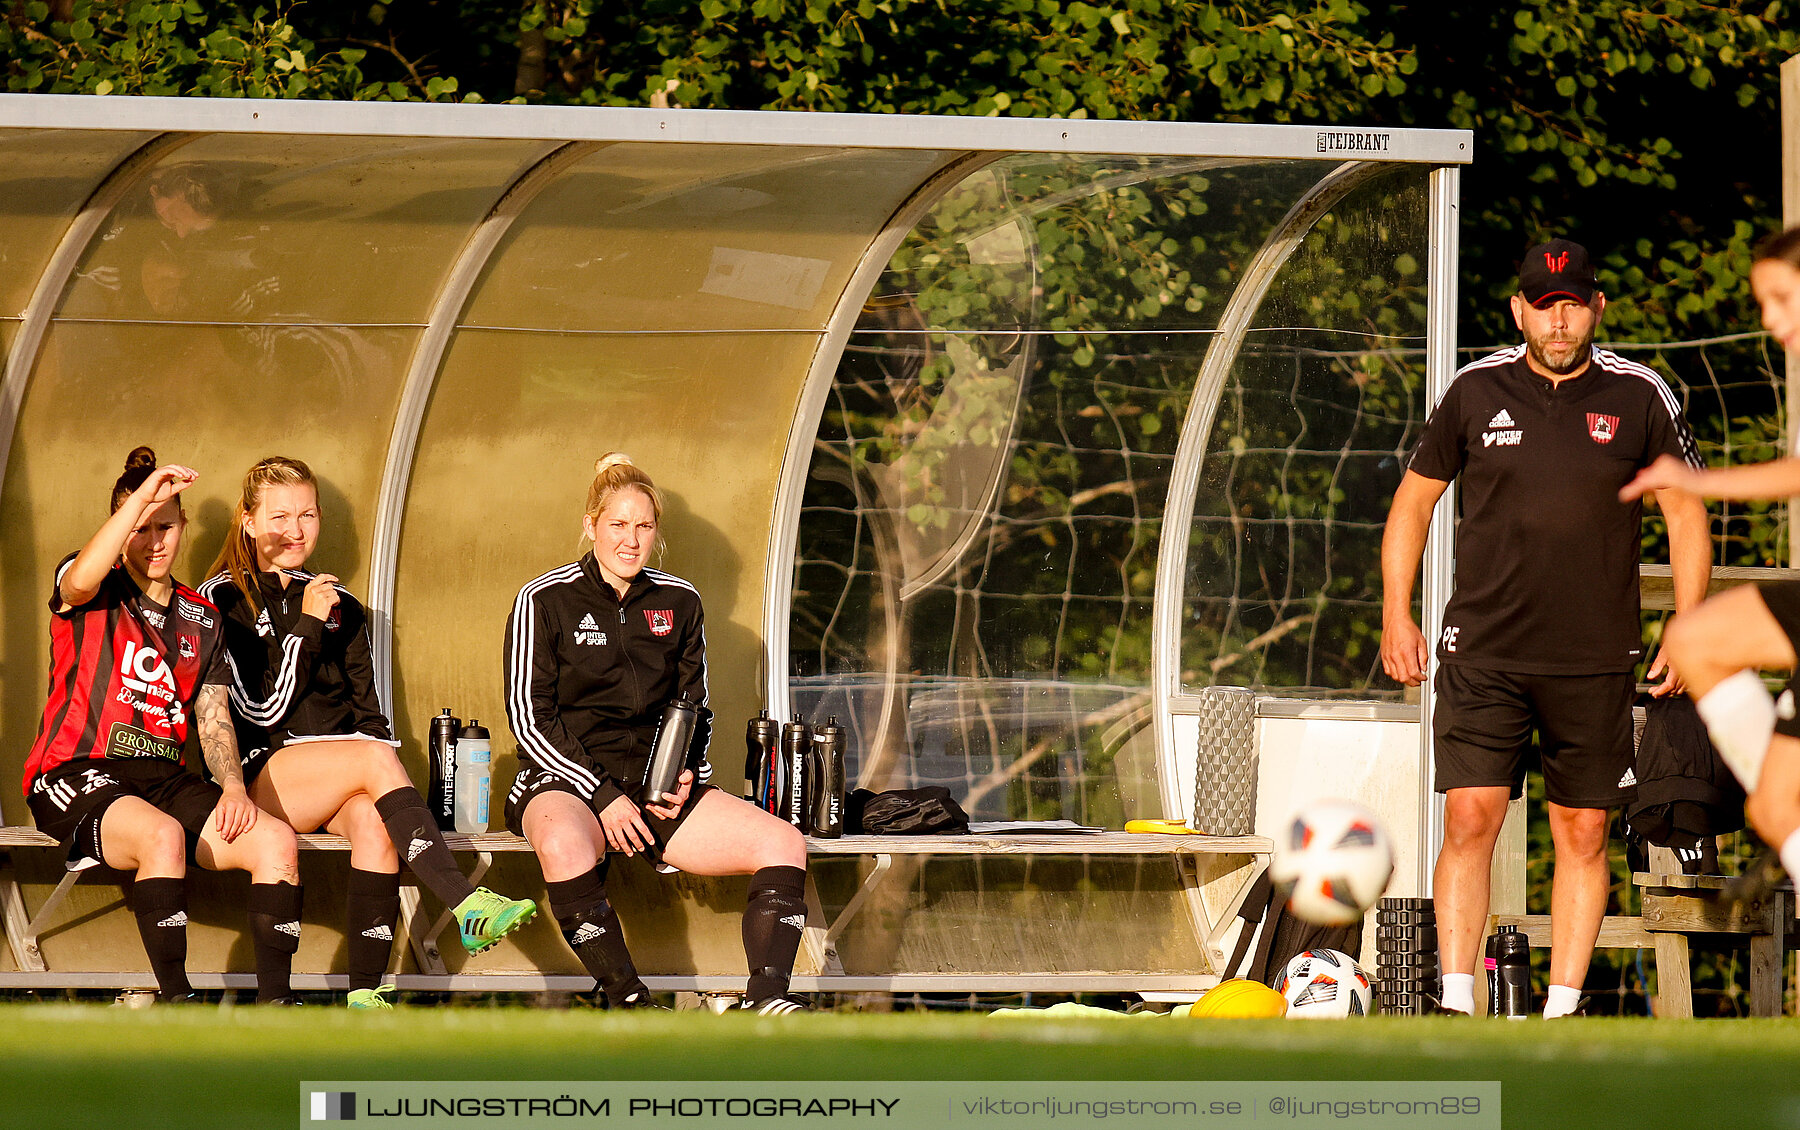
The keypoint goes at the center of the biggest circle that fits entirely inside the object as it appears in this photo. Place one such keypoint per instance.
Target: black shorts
(1782, 599)
(532, 781)
(1483, 722)
(69, 801)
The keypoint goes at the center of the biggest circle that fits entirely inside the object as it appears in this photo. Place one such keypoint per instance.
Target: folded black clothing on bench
(904, 812)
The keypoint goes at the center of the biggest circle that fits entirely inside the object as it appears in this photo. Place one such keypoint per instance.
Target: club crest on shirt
(662, 622)
(263, 626)
(190, 646)
(1602, 428)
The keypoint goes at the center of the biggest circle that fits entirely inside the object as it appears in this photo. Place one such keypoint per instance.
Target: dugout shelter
(1007, 442)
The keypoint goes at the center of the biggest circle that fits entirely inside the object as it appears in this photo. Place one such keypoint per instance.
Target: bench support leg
(1674, 986)
(21, 934)
(1212, 935)
(425, 939)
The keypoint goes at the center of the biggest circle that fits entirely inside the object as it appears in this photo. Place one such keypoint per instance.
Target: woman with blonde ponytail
(595, 651)
(319, 751)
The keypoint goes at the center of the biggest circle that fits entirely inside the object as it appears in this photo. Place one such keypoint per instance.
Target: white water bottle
(474, 760)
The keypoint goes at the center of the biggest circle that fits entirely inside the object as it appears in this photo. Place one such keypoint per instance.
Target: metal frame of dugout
(743, 487)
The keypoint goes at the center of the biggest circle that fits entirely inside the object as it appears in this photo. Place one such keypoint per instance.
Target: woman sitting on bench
(134, 654)
(595, 651)
(319, 750)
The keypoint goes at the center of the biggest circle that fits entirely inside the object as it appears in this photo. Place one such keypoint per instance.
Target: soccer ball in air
(1332, 863)
(1324, 985)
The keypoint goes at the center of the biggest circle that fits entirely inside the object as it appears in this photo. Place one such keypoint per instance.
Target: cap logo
(1556, 264)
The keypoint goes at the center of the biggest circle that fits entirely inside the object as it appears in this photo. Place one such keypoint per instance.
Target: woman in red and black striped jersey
(595, 652)
(133, 655)
(318, 750)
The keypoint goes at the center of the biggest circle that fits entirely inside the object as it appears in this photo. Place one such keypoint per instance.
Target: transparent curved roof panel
(506, 453)
(689, 237)
(1309, 441)
(45, 177)
(978, 538)
(333, 230)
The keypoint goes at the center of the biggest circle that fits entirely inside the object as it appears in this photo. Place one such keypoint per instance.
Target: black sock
(591, 927)
(371, 912)
(772, 924)
(275, 936)
(161, 909)
(421, 845)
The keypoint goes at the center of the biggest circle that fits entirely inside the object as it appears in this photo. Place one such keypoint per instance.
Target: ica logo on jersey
(142, 669)
(1502, 431)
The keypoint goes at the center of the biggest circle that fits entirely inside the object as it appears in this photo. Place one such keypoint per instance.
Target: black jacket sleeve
(532, 709)
(690, 680)
(268, 673)
(359, 678)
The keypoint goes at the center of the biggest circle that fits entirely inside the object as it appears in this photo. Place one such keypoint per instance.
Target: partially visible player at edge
(1719, 646)
(317, 749)
(134, 654)
(1542, 631)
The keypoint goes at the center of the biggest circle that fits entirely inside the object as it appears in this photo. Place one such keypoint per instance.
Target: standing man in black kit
(1542, 631)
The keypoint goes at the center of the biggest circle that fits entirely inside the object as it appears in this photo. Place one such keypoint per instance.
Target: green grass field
(71, 1065)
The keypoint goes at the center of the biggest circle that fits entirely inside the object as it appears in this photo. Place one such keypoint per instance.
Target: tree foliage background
(1649, 129)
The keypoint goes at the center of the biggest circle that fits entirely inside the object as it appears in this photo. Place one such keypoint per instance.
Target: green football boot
(376, 998)
(486, 917)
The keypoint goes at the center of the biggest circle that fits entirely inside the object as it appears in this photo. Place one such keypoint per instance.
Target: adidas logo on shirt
(587, 933)
(1502, 419)
(380, 933)
(1629, 780)
(797, 921)
(588, 633)
(179, 918)
(417, 848)
(291, 929)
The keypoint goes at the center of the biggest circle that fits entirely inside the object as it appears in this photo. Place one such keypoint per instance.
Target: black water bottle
(796, 738)
(669, 751)
(441, 748)
(762, 740)
(825, 781)
(1491, 962)
(1512, 961)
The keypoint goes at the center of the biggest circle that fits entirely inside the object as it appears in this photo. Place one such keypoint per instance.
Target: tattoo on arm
(218, 741)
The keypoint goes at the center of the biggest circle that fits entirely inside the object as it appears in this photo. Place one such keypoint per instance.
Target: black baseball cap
(1557, 269)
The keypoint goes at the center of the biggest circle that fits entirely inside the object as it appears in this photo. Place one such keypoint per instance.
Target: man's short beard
(1578, 359)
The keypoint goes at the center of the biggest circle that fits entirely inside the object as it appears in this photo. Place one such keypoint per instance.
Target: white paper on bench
(1044, 827)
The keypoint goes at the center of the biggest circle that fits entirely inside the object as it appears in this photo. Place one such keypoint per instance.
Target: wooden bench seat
(820, 937)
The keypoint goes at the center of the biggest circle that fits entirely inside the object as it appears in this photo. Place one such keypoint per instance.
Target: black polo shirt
(1546, 554)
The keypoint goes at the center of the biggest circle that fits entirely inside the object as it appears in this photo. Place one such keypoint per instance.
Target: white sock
(1740, 717)
(1561, 1001)
(1458, 992)
(1790, 857)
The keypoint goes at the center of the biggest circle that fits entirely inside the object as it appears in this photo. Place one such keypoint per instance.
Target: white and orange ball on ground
(1332, 862)
(1325, 984)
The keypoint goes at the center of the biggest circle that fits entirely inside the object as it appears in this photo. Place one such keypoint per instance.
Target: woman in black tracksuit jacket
(317, 748)
(595, 651)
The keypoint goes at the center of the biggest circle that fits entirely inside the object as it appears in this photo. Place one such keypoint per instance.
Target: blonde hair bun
(612, 459)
